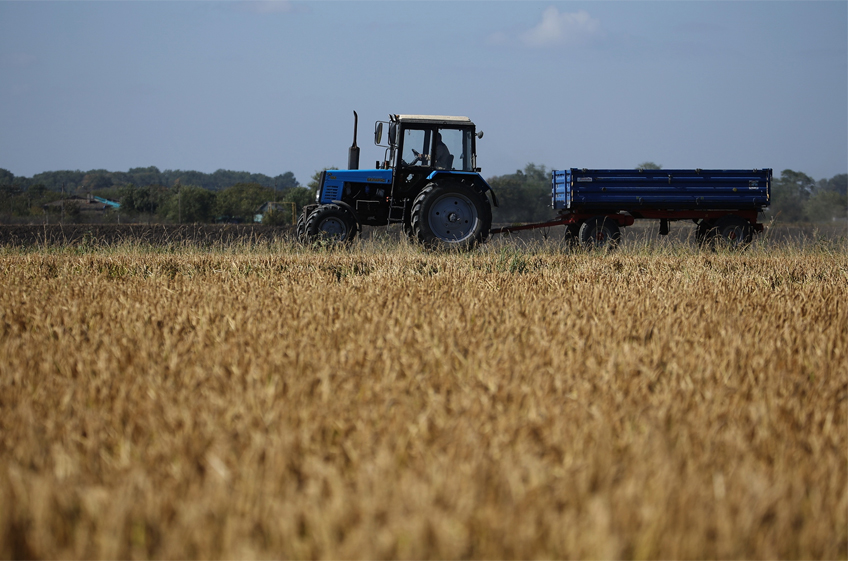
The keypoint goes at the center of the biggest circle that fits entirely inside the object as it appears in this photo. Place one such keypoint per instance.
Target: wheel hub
(333, 228)
(453, 217)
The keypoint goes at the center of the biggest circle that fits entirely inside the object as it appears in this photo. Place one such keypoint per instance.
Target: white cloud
(561, 29)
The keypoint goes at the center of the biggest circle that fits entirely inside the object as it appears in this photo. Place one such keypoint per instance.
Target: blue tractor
(428, 181)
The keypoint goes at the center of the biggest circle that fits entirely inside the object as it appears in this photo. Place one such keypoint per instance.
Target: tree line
(174, 196)
(150, 195)
(98, 179)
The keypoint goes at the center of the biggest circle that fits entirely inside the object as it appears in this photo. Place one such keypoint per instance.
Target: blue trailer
(595, 204)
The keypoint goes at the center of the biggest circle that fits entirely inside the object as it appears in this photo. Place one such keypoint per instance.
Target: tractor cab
(428, 142)
(421, 147)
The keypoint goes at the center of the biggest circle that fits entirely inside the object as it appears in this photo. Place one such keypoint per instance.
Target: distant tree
(824, 206)
(789, 194)
(274, 217)
(95, 180)
(37, 196)
(649, 165)
(142, 200)
(19, 201)
(796, 183)
(301, 196)
(55, 179)
(286, 181)
(6, 177)
(524, 196)
(150, 169)
(242, 199)
(144, 176)
(223, 178)
(188, 204)
(829, 200)
(837, 184)
(192, 178)
(37, 191)
(11, 201)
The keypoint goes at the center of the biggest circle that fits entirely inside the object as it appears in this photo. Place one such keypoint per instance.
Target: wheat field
(379, 401)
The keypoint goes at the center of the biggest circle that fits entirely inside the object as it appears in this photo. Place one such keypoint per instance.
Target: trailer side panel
(633, 190)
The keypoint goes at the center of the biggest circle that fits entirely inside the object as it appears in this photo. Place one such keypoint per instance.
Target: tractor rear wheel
(451, 215)
(601, 232)
(330, 223)
(406, 227)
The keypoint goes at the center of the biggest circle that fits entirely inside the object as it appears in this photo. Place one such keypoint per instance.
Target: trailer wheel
(705, 232)
(330, 223)
(734, 232)
(600, 232)
(572, 235)
(450, 215)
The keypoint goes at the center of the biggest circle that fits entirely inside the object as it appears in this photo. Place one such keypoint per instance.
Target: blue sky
(270, 87)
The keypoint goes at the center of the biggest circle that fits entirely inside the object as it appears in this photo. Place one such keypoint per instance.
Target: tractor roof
(438, 119)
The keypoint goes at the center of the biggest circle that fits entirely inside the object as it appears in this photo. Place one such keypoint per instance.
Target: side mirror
(479, 134)
(378, 133)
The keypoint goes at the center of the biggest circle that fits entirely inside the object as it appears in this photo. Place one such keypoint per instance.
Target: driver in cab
(444, 158)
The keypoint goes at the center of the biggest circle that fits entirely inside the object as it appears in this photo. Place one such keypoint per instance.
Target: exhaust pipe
(353, 153)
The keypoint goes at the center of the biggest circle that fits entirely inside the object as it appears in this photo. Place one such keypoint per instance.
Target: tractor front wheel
(301, 226)
(330, 223)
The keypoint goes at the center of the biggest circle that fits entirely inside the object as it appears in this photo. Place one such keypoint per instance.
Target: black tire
(733, 232)
(572, 235)
(600, 232)
(406, 226)
(705, 233)
(330, 223)
(301, 226)
(451, 215)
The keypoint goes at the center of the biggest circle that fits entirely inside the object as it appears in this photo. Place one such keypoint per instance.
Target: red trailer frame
(568, 218)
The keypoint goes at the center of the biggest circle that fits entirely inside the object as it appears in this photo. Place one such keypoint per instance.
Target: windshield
(416, 147)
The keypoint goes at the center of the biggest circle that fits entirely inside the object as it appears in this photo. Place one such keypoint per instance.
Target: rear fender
(474, 179)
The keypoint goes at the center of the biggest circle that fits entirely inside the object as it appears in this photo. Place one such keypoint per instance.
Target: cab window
(453, 149)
